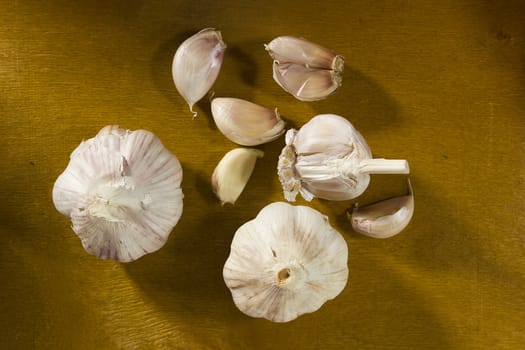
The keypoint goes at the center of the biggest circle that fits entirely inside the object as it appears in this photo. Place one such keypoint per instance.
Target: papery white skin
(196, 65)
(328, 158)
(289, 49)
(121, 190)
(246, 123)
(306, 84)
(233, 172)
(385, 218)
(286, 262)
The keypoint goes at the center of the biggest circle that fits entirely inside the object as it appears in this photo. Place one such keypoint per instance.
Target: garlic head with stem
(196, 65)
(121, 190)
(286, 262)
(329, 159)
(246, 123)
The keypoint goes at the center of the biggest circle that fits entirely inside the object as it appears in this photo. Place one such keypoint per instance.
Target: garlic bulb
(328, 158)
(304, 69)
(286, 262)
(196, 65)
(246, 123)
(121, 190)
(233, 172)
(385, 218)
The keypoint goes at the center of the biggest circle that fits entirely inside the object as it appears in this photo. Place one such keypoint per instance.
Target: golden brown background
(440, 83)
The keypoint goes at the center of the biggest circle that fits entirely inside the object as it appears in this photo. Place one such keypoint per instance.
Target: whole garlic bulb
(328, 158)
(121, 190)
(286, 262)
(196, 65)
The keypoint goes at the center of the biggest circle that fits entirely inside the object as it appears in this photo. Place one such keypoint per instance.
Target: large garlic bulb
(328, 158)
(286, 262)
(121, 190)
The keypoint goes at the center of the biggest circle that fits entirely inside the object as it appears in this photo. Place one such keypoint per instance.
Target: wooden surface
(441, 84)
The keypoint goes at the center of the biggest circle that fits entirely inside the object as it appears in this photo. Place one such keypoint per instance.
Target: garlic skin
(304, 69)
(246, 123)
(196, 65)
(121, 190)
(289, 49)
(329, 159)
(306, 84)
(286, 262)
(233, 172)
(385, 218)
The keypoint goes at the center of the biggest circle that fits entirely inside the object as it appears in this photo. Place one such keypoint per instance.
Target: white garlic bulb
(233, 172)
(328, 158)
(286, 262)
(306, 70)
(121, 190)
(196, 65)
(385, 218)
(246, 123)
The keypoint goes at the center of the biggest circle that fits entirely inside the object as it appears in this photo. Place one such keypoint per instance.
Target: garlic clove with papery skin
(196, 65)
(233, 172)
(306, 84)
(286, 262)
(121, 190)
(289, 49)
(246, 123)
(329, 159)
(385, 218)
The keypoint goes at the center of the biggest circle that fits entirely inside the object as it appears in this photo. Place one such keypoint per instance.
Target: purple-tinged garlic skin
(286, 262)
(121, 190)
(196, 65)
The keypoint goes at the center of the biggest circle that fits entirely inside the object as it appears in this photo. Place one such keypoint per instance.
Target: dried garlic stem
(383, 166)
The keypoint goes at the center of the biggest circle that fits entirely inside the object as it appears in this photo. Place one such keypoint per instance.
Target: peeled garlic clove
(197, 63)
(383, 219)
(306, 84)
(328, 158)
(246, 123)
(289, 49)
(233, 172)
(121, 190)
(286, 262)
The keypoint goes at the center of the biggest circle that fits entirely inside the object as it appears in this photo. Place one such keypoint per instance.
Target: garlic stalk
(196, 65)
(286, 262)
(233, 172)
(385, 218)
(121, 190)
(246, 123)
(304, 69)
(328, 158)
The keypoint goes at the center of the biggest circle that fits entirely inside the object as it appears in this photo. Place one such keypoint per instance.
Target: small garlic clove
(196, 65)
(306, 84)
(289, 49)
(233, 172)
(246, 123)
(383, 219)
(286, 262)
(121, 190)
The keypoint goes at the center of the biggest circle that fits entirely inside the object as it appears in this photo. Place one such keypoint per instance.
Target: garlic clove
(246, 123)
(286, 262)
(233, 172)
(306, 84)
(385, 218)
(329, 159)
(196, 65)
(289, 49)
(121, 190)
